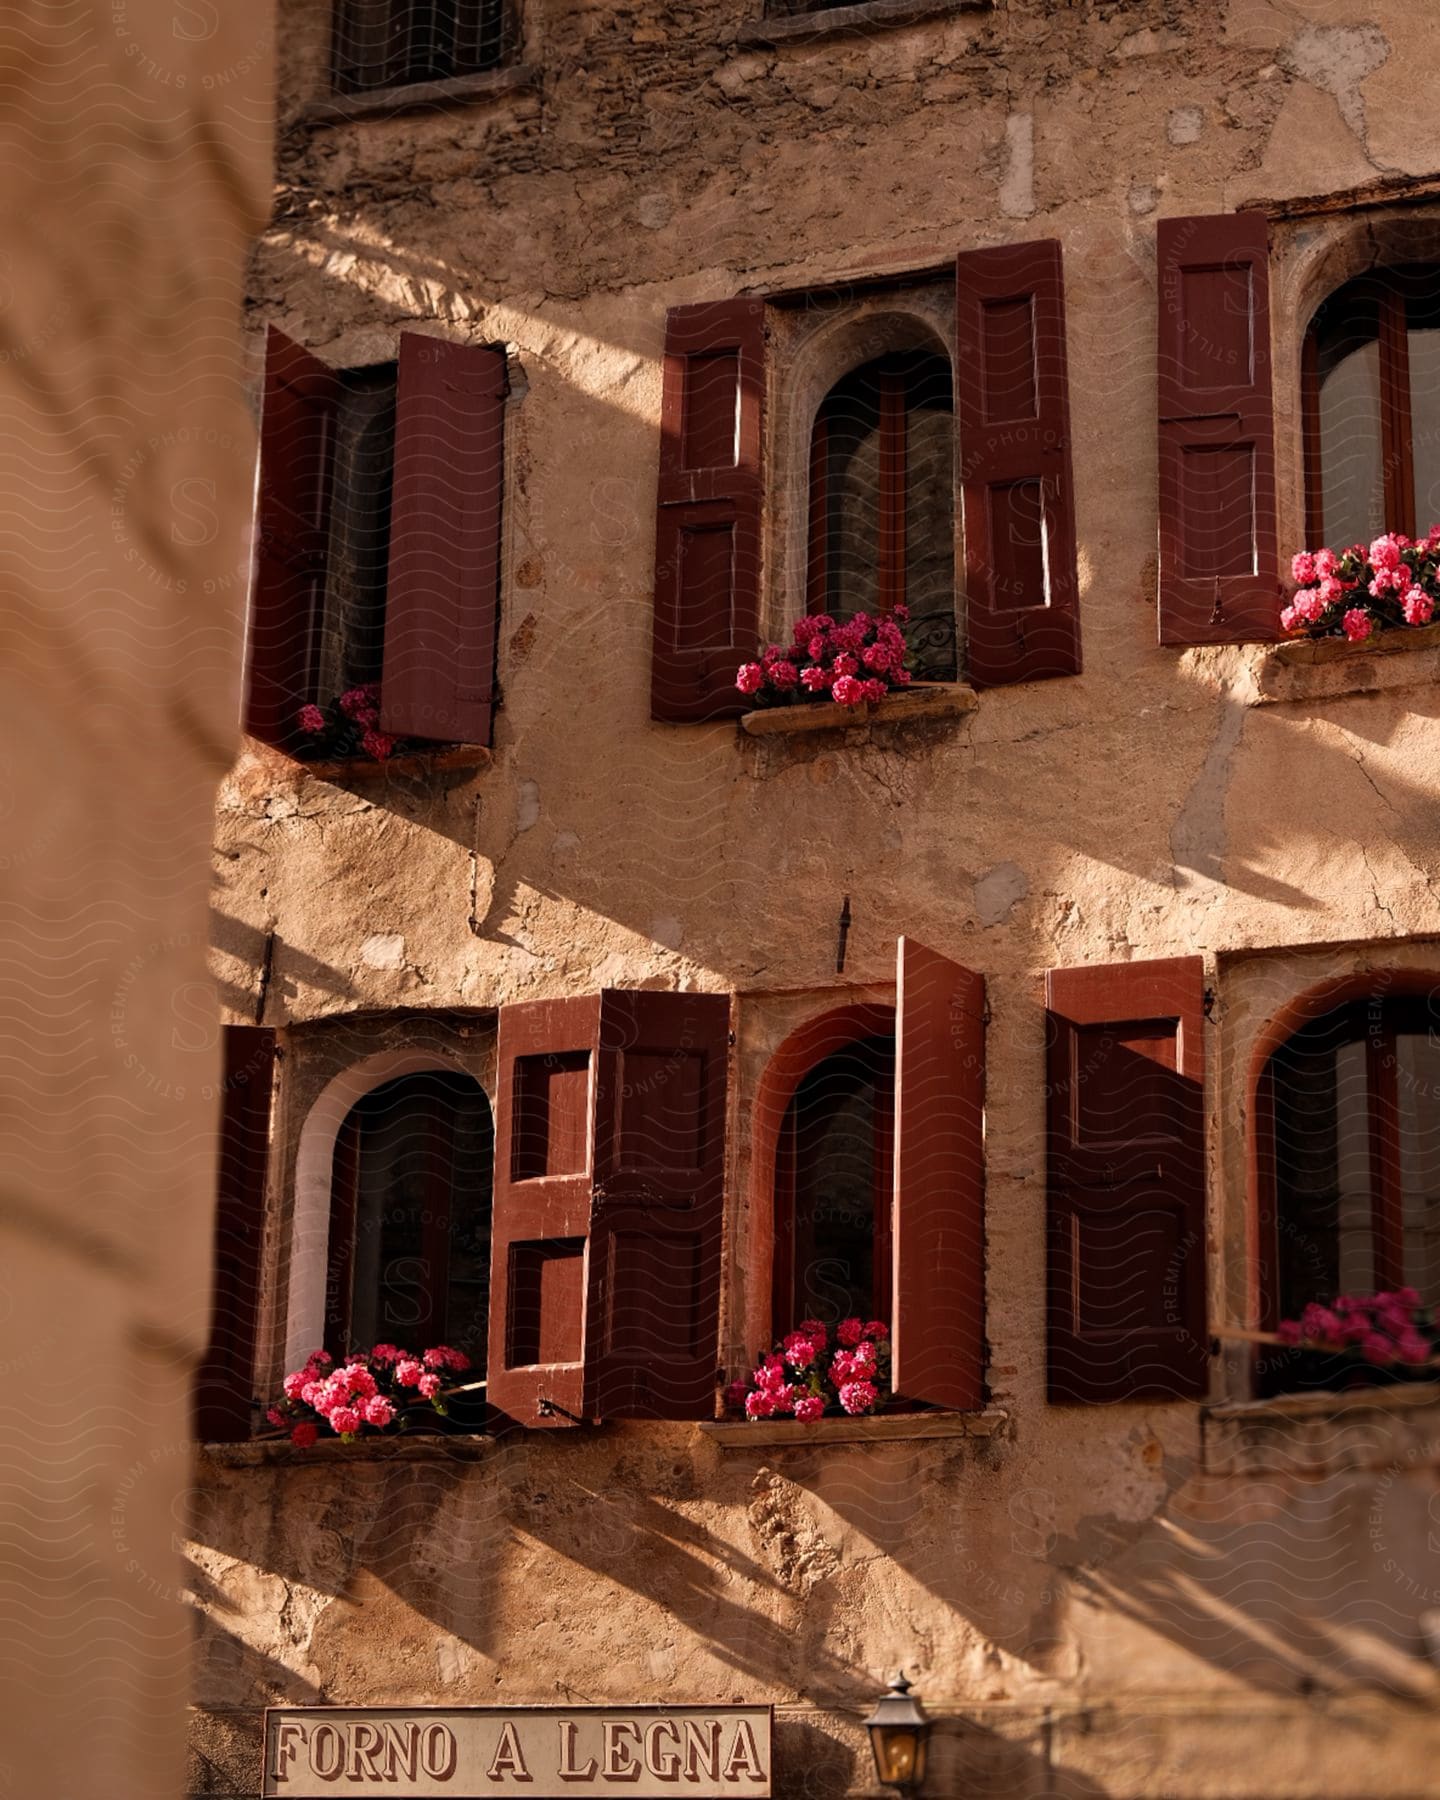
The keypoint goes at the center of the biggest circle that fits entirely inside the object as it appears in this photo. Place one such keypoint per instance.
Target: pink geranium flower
(858, 1396)
(1357, 624)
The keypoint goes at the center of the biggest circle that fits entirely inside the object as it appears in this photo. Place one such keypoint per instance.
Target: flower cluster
(368, 1390)
(1379, 1328)
(853, 663)
(807, 1375)
(1351, 593)
(349, 726)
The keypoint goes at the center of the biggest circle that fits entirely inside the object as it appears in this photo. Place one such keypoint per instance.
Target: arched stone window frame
(305, 1239)
(1311, 257)
(1262, 999)
(806, 1044)
(812, 345)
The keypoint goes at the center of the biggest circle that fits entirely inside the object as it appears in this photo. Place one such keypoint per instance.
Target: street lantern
(898, 1730)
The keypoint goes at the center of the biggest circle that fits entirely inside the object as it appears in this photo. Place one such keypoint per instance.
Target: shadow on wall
(591, 1568)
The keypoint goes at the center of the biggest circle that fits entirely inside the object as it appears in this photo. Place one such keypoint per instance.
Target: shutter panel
(938, 1320)
(708, 509)
(442, 601)
(225, 1381)
(297, 430)
(1126, 1204)
(540, 1243)
(1012, 398)
(1219, 574)
(658, 1209)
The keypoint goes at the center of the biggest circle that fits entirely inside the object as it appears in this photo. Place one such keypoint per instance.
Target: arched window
(832, 1188)
(1372, 407)
(882, 506)
(409, 1256)
(1349, 1111)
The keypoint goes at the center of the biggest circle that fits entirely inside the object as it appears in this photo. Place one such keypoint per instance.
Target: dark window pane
(352, 633)
(1418, 1104)
(422, 1216)
(858, 499)
(392, 43)
(1347, 346)
(1422, 318)
(839, 1134)
(1323, 1168)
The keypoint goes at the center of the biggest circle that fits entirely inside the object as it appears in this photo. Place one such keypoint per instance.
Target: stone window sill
(1309, 669)
(849, 21)
(1323, 1434)
(886, 1428)
(942, 700)
(412, 762)
(262, 1453)
(387, 103)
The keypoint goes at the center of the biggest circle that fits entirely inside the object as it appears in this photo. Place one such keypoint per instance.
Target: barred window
(394, 43)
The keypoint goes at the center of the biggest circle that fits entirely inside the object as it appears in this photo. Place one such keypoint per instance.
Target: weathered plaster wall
(1107, 1617)
(137, 166)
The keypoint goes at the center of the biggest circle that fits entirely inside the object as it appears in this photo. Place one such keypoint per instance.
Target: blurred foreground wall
(135, 136)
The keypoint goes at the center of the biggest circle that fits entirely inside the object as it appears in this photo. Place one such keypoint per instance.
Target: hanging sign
(704, 1752)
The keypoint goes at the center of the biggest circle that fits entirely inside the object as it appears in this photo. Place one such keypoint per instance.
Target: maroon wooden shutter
(938, 1319)
(225, 1382)
(1013, 403)
(657, 1219)
(1219, 577)
(442, 600)
(1126, 1205)
(297, 424)
(708, 509)
(540, 1241)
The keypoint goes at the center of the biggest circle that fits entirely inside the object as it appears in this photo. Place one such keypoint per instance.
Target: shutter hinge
(1217, 609)
(731, 1039)
(1210, 1003)
(985, 1014)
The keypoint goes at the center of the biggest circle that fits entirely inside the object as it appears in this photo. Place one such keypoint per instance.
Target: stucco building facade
(1113, 1559)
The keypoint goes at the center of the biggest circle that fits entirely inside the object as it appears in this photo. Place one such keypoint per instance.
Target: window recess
(894, 452)
(871, 1121)
(378, 44)
(378, 553)
(1371, 405)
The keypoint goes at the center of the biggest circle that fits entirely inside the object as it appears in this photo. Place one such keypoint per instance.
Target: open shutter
(1219, 576)
(297, 429)
(225, 1382)
(540, 1241)
(1013, 405)
(442, 601)
(1126, 1206)
(657, 1219)
(938, 1317)
(708, 507)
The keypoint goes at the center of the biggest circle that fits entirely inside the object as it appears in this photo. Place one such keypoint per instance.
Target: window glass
(1422, 317)
(1418, 1104)
(1357, 1154)
(885, 457)
(1351, 454)
(391, 43)
(352, 628)
(421, 1220)
(838, 1145)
